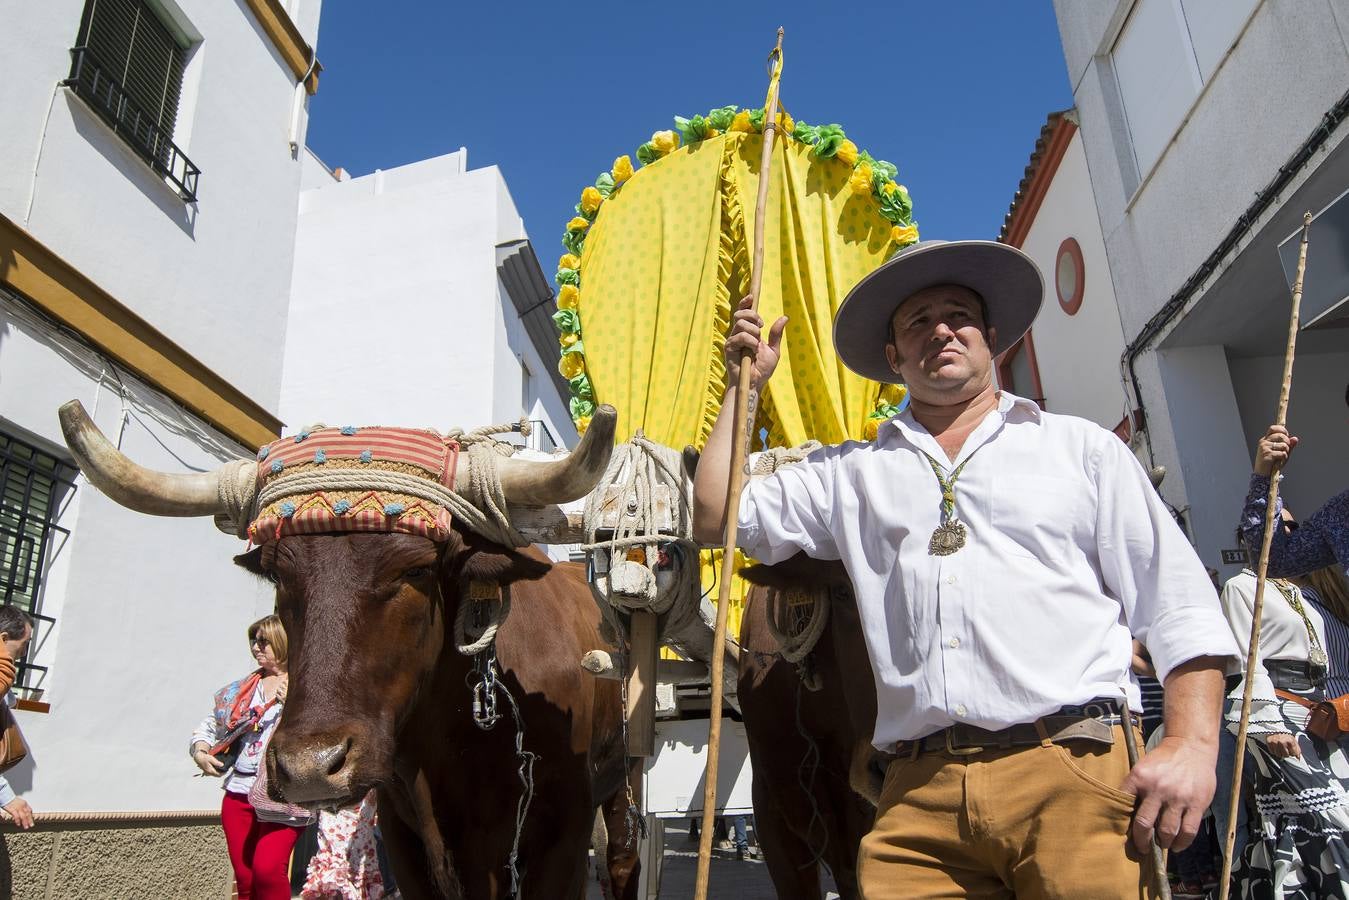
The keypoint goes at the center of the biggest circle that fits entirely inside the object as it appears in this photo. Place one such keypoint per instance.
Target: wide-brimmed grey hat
(1007, 279)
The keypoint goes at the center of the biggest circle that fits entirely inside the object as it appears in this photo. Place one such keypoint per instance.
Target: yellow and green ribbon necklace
(950, 535)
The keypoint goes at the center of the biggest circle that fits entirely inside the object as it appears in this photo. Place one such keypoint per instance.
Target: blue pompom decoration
(348, 430)
(367, 456)
(278, 465)
(301, 436)
(320, 455)
(341, 506)
(287, 509)
(262, 454)
(393, 509)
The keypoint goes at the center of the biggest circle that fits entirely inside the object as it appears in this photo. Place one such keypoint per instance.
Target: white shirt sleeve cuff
(1181, 634)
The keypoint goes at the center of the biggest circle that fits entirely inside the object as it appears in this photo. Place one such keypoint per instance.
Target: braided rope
(236, 491)
(635, 468)
(774, 458)
(796, 637)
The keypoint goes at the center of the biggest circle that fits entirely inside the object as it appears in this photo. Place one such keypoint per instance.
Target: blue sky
(954, 93)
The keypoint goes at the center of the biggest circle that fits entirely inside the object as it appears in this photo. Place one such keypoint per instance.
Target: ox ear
(252, 561)
(479, 559)
(796, 570)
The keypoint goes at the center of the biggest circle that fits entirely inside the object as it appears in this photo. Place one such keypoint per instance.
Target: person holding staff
(1002, 558)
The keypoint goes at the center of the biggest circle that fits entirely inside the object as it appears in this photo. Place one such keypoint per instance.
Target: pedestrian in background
(16, 630)
(230, 743)
(1322, 540)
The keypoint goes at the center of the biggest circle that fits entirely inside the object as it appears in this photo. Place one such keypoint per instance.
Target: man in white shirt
(1002, 558)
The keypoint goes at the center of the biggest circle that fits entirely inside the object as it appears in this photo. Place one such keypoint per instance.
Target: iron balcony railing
(91, 82)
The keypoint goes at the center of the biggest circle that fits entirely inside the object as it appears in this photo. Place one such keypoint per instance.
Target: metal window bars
(89, 80)
(33, 486)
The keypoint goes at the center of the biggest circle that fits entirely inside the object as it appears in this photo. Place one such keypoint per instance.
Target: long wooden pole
(739, 440)
(1261, 569)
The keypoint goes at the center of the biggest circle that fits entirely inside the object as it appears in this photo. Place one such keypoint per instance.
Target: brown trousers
(1031, 823)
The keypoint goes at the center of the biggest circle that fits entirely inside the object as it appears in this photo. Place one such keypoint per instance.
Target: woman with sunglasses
(230, 743)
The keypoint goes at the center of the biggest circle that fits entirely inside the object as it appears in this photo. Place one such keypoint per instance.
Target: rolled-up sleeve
(1148, 565)
(790, 511)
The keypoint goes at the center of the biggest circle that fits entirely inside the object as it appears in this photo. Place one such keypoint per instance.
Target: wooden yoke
(739, 440)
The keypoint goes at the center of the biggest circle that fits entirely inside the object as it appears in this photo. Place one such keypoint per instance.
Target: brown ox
(378, 695)
(810, 750)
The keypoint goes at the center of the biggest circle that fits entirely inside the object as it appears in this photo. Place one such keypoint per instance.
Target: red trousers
(259, 851)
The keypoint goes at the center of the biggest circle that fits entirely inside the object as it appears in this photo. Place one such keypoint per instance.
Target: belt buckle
(966, 751)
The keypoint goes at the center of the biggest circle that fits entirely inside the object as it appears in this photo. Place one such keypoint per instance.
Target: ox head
(367, 615)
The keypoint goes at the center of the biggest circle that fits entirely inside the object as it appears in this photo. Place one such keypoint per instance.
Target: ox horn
(226, 493)
(534, 483)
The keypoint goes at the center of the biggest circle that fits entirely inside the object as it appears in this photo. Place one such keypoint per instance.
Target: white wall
(1078, 355)
(212, 276)
(150, 612)
(1316, 414)
(397, 314)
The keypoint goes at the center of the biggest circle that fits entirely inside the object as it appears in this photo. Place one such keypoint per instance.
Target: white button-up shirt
(1069, 551)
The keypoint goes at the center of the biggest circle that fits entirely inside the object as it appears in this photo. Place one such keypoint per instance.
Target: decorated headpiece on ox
(374, 537)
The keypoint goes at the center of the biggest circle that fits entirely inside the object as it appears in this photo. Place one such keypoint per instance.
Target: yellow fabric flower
(786, 122)
(870, 428)
(664, 142)
(591, 198)
(568, 297)
(889, 188)
(567, 340)
(622, 170)
(904, 235)
(860, 182)
(578, 224)
(741, 122)
(712, 132)
(571, 365)
(847, 152)
(582, 424)
(568, 261)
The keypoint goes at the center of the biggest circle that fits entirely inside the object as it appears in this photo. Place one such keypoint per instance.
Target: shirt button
(961, 710)
(953, 643)
(950, 579)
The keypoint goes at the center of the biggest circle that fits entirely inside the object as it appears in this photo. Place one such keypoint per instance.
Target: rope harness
(795, 618)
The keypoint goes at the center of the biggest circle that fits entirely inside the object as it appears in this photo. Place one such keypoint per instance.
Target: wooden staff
(739, 439)
(1262, 567)
(1162, 883)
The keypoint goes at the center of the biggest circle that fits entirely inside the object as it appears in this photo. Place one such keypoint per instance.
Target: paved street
(730, 879)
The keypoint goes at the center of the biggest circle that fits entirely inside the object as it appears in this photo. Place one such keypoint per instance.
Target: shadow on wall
(132, 167)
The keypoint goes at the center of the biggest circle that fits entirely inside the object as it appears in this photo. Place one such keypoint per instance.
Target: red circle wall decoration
(1070, 276)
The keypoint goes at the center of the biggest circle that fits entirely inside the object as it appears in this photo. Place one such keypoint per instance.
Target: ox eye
(416, 572)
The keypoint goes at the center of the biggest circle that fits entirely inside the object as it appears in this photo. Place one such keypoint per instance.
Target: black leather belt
(1094, 721)
(1287, 675)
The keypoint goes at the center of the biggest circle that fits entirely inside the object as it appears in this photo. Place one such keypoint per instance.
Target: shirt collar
(1007, 401)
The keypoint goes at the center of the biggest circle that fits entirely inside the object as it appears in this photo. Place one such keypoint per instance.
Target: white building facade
(147, 217)
(418, 301)
(1208, 129)
(1069, 360)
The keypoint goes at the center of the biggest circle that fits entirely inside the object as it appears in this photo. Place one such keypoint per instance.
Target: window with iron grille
(128, 66)
(33, 486)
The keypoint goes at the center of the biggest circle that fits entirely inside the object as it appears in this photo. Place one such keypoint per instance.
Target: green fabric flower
(567, 276)
(573, 241)
(581, 388)
(828, 137)
(756, 117)
(567, 321)
(691, 130)
(646, 154)
(605, 184)
(720, 118)
(581, 407)
(896, 205)
(806, 134)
